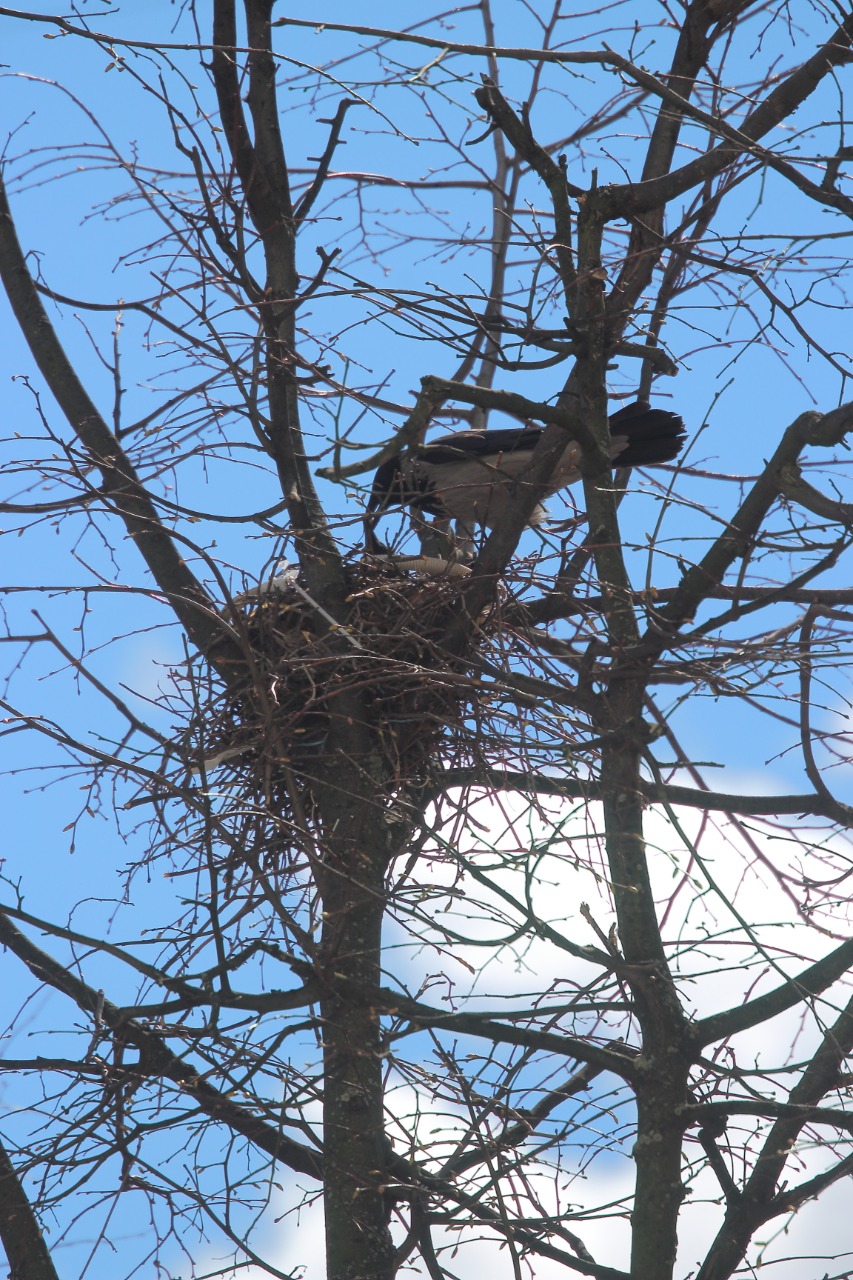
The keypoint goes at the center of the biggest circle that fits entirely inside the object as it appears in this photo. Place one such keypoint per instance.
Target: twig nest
(299, 661)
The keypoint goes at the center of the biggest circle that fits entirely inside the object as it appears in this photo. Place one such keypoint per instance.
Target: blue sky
(63, 181)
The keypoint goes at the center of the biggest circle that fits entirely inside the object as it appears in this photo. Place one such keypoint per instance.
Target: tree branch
(780, 103)
(121, 484)
(803, 986)
(157, 1058)
(23, 1242)
(809, 429)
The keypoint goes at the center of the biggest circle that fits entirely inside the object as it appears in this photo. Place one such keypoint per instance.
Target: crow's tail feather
(651, 435)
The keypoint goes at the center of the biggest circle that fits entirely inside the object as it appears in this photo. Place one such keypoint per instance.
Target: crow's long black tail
(653, 435)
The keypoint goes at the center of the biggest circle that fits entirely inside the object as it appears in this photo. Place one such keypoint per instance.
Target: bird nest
(265, 745)
(271, 735)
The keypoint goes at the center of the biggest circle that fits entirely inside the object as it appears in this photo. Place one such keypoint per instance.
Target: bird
(467, 476)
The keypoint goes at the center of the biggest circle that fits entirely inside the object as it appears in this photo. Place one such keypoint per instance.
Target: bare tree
(417, 897)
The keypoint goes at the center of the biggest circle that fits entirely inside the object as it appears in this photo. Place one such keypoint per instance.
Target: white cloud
(734, 930)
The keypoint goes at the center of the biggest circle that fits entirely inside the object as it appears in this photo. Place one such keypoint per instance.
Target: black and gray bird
(467, 477)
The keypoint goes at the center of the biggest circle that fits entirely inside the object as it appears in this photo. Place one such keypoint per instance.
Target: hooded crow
(467, 477)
